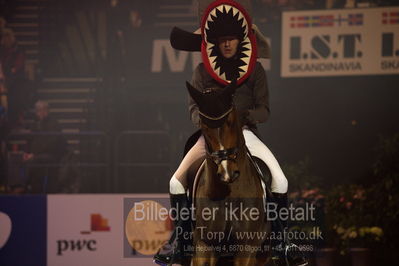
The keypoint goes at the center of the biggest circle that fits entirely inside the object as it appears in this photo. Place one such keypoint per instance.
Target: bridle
(216, 118)
(220, 155)
(223, 155)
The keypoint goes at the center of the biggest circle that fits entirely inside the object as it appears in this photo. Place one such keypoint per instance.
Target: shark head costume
(218, 19)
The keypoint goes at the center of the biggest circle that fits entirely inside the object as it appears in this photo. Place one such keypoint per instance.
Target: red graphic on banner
(390, 18)
(97, 224)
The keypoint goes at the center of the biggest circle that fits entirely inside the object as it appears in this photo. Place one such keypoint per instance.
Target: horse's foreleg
(203, 256)
(244, 260)
(203, 261)
(250, 261)
(262, 261)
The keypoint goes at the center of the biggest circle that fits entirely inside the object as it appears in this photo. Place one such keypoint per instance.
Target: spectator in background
(123, 32)
(3, 23)
(3, 147)
(46, 147)
(3, 91)
(12, 60)
(3, 129)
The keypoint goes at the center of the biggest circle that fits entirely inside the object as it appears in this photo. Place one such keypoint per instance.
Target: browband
(216, 118)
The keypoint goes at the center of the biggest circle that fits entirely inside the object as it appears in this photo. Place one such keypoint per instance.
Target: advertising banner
(23, 230)
(90, 230)
(340, 42)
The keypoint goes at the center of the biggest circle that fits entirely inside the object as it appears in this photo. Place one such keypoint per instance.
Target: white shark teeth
(246, 29)
(246, 60)
(217, 70)
(235, 11)
(240, 16)
(247, 43)
(213, 13)
(247, 53)
(245, 24)
(220, 8)
(244, 70)
(209, 49)
(212, 59)
(223, 76)
(213, 63)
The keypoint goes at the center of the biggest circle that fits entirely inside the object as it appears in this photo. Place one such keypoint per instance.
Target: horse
(230, 225)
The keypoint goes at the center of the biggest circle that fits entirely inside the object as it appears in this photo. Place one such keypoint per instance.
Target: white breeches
(256, 147)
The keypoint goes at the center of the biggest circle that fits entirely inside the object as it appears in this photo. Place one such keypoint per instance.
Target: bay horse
(230, 221)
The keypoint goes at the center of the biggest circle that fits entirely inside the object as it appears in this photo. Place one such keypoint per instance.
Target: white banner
(340, 42)
(89, 230)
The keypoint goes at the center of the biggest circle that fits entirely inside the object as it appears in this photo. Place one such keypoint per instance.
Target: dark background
(333, 122)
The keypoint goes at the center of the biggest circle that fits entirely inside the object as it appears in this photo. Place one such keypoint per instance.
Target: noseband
(221, 155)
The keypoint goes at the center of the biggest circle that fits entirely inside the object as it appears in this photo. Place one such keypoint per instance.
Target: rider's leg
(178, 182)
(279, 188)
(259, 149)
(279, 184)
(179, 201)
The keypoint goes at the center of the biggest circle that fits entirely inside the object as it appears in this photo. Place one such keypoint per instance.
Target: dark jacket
(251, 98)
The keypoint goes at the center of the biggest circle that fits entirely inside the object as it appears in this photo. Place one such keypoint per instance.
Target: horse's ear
(230, 89)
(194, 93)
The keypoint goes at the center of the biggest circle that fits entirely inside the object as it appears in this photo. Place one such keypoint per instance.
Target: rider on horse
(229, 53)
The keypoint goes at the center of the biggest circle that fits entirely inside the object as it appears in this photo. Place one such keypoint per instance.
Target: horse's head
(221, 129)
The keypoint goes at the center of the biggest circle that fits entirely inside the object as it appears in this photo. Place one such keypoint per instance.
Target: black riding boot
(284, 252)
(179, 247)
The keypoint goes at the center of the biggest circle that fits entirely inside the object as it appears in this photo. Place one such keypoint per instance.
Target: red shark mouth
(227, 18)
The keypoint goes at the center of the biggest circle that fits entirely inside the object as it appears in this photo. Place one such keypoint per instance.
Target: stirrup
(159, 263)
(166, 258)
(164, 261)
(290, 248)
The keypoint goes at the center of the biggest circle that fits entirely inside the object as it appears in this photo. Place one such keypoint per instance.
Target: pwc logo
(97, 224)
(5, 229)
